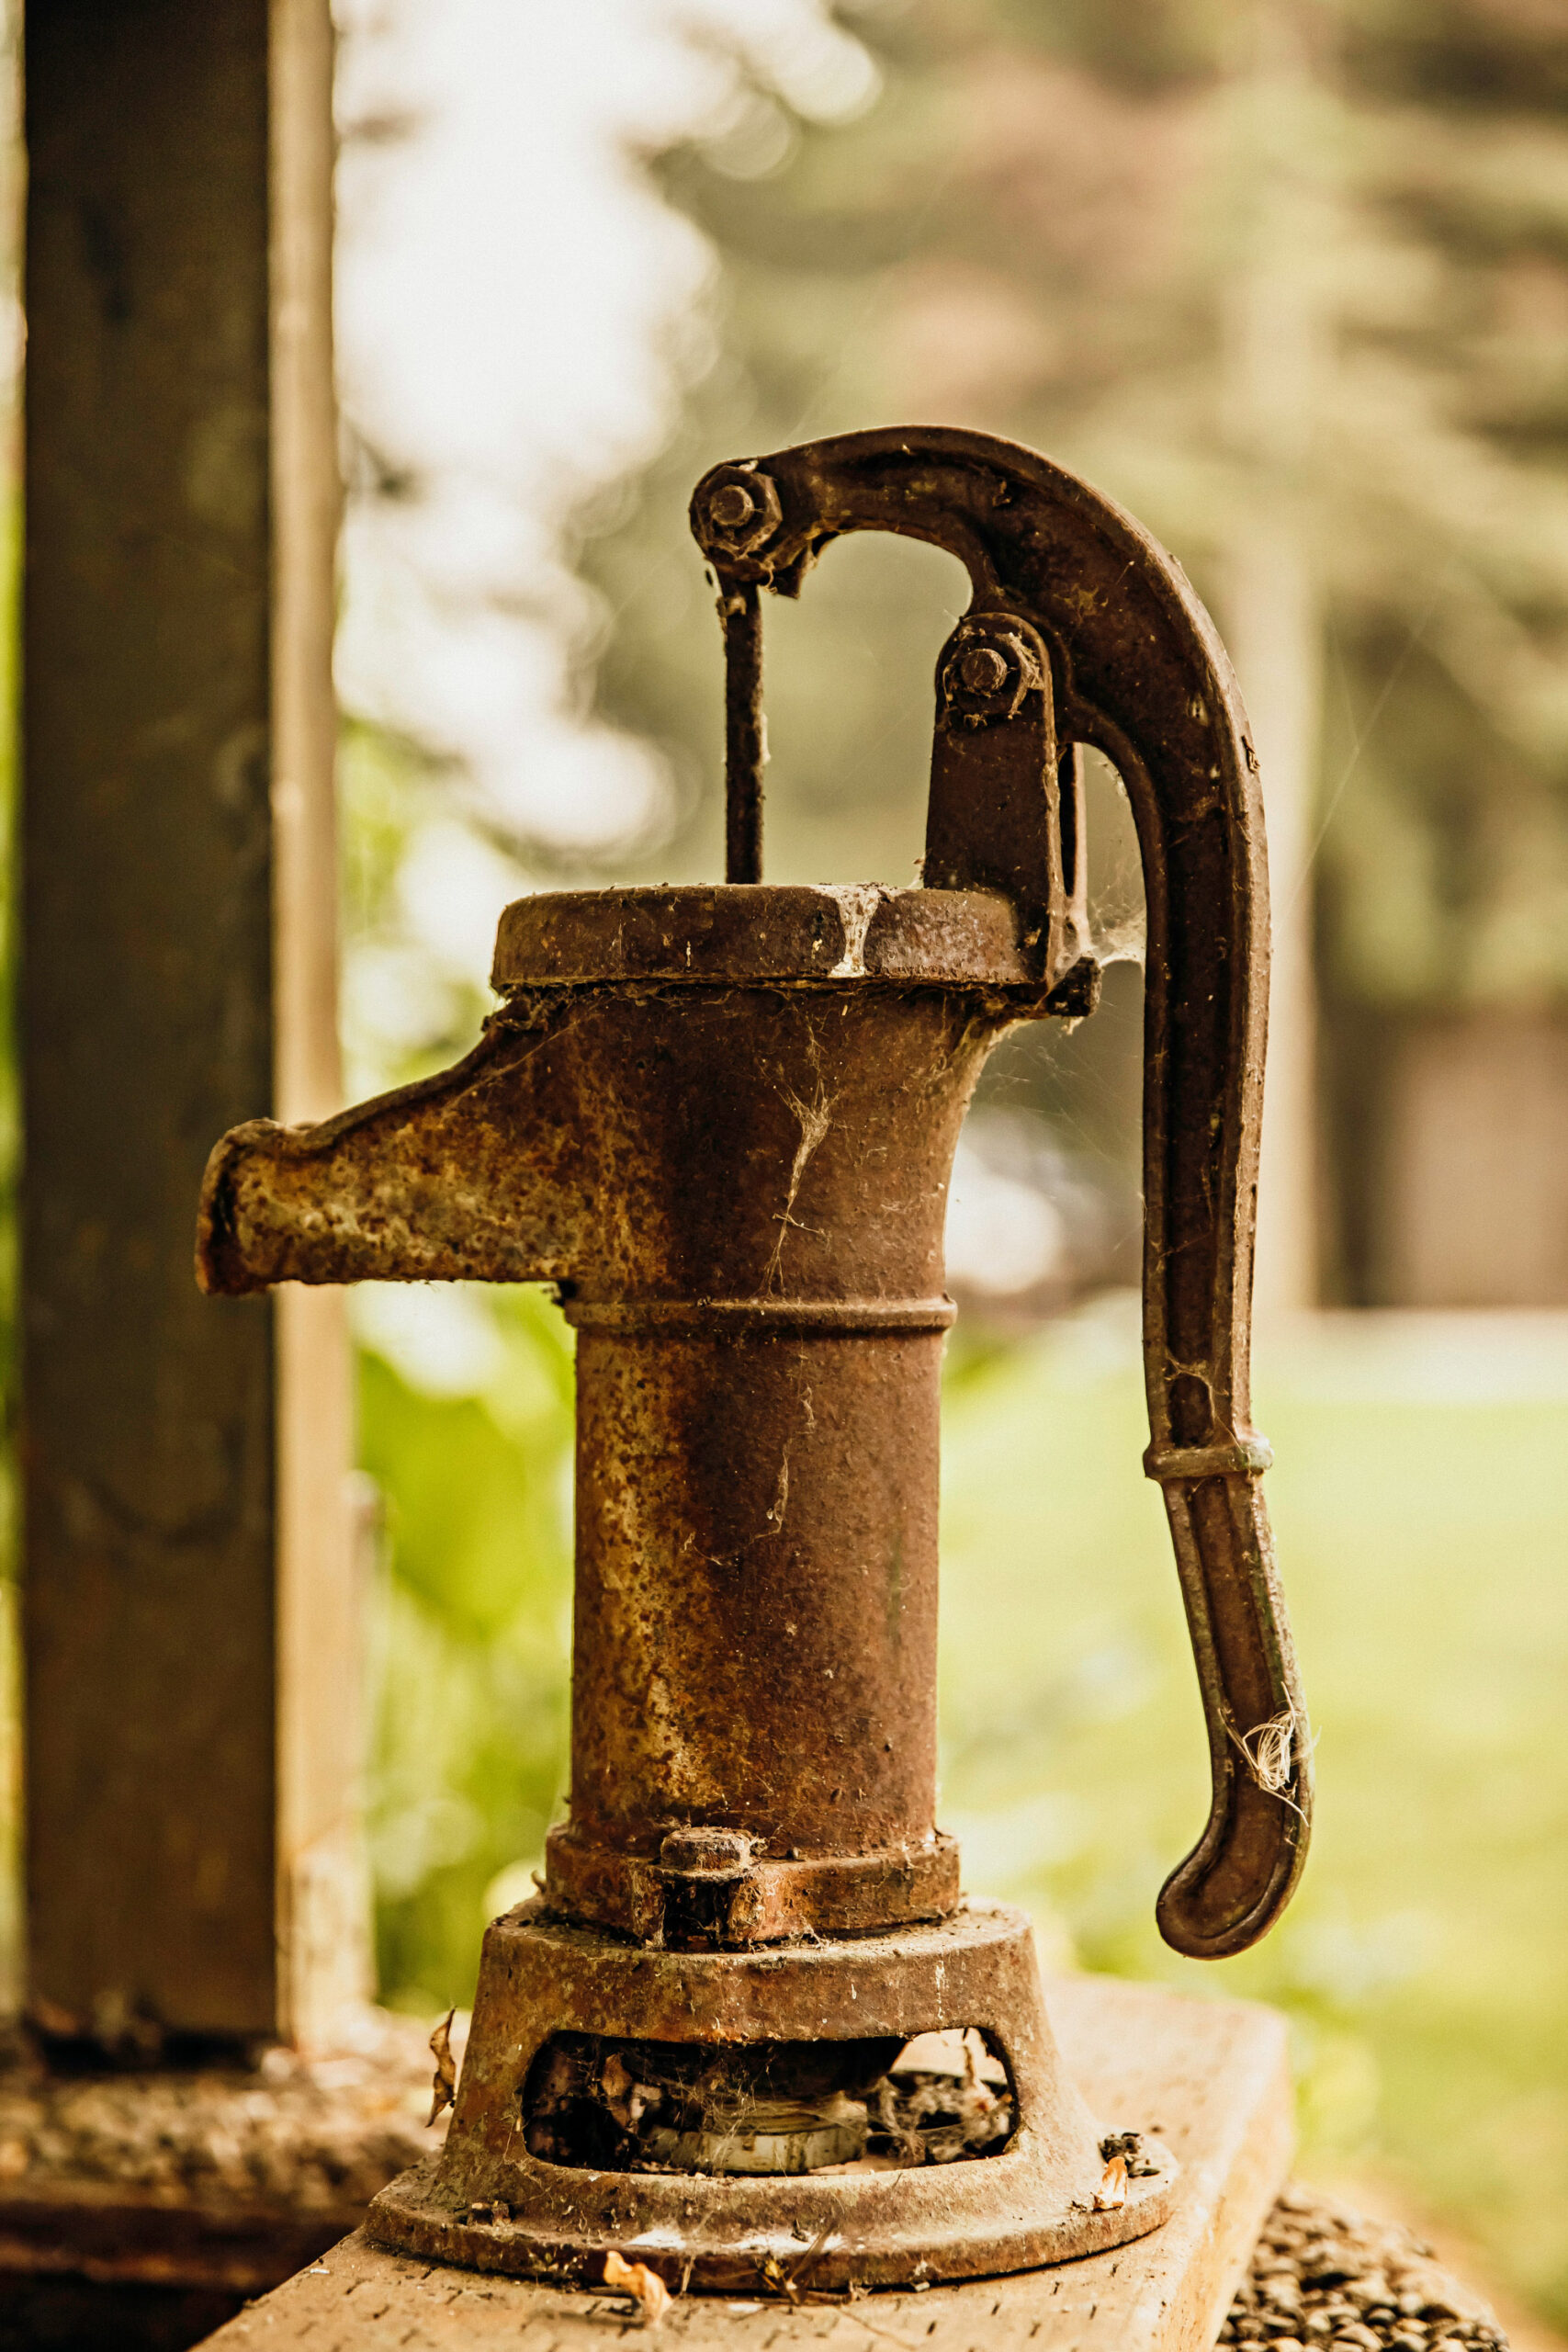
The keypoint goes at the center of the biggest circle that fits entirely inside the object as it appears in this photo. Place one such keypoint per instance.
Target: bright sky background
(517, 312)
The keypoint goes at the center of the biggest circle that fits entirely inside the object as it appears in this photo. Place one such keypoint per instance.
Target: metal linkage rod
(745, 743)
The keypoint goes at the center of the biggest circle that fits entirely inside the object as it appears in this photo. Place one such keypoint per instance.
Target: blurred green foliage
(472, 1639)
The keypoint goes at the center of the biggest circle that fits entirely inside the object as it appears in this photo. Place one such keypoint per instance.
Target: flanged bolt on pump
(752, 2017)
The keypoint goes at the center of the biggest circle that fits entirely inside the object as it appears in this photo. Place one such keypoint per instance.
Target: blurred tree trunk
(1274, 623)
(1277, 329)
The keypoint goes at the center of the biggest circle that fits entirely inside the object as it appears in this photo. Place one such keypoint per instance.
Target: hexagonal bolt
(716, 1853)
(986, 677)
(983, 670)
(731, 505)
(739, 514)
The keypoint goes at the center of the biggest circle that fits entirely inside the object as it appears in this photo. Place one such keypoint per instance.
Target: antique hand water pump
(721, 1121)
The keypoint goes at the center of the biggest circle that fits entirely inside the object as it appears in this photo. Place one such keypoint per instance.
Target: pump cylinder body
(723, 1123)
(754, 1651)
(755, 1626)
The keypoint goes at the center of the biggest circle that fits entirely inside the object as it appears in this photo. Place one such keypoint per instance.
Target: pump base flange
(884, 2230)
(487, 2204)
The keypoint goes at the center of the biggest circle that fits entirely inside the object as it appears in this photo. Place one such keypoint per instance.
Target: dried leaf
(443, 2084)
(616, 2082)
(1113, 2189)
(646, 2287)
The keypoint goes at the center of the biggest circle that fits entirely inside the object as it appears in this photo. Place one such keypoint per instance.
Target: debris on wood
(944, 2096)
(627, 2100)
(488, 2211)
(775, 2109)
(1129, 2146)
(646, 2287)
(1112, 2194)
(444, 2087)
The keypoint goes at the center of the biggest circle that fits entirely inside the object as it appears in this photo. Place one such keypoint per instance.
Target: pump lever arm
(1139, 671)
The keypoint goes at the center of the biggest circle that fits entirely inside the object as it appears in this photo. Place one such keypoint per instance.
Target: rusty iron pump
(721, 1121)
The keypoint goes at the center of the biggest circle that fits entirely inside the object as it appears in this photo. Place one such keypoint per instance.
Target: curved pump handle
(1137, 670)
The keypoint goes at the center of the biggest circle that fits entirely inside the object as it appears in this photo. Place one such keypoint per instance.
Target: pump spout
(477, 1174)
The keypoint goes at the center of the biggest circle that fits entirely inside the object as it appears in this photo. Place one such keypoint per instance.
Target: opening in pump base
(553, 1996)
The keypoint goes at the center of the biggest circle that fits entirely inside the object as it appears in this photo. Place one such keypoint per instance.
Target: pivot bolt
(730, 505)
(986, 674)
(735, 513)
(716, 1853)
(983, 670)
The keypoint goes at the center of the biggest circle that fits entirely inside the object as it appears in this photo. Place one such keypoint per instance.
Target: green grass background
(1420, 1502)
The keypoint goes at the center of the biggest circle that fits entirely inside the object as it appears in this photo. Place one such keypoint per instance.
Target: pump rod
(745, 746)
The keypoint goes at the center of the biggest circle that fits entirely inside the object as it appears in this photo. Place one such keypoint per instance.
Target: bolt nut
(730, 505)
(983, 670)
(986, 676)
(737, 513)
(713, 1853)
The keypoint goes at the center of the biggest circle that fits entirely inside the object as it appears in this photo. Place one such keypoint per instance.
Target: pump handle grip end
(1136, 669)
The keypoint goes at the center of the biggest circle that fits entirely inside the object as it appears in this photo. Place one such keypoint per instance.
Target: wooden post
(324, 1884)
(190, 1656)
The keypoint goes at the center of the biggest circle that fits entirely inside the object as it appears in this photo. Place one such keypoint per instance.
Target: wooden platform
(1210, 2076)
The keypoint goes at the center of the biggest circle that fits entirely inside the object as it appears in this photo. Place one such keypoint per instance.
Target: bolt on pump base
(751, 2025)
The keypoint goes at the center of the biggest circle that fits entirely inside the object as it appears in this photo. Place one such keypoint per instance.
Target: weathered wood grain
(188, 1579)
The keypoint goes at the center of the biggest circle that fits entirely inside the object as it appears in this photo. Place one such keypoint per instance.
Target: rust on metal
(1138, 672)
(740, 1184)
(721, 1120)
(1031, 2202)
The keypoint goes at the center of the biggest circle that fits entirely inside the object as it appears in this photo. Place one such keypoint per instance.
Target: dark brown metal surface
(1138, 672)
(742, 623)
(1005, 812)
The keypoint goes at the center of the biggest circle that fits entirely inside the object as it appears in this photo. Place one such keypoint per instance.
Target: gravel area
(1324, 2278)
(296, 2132)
